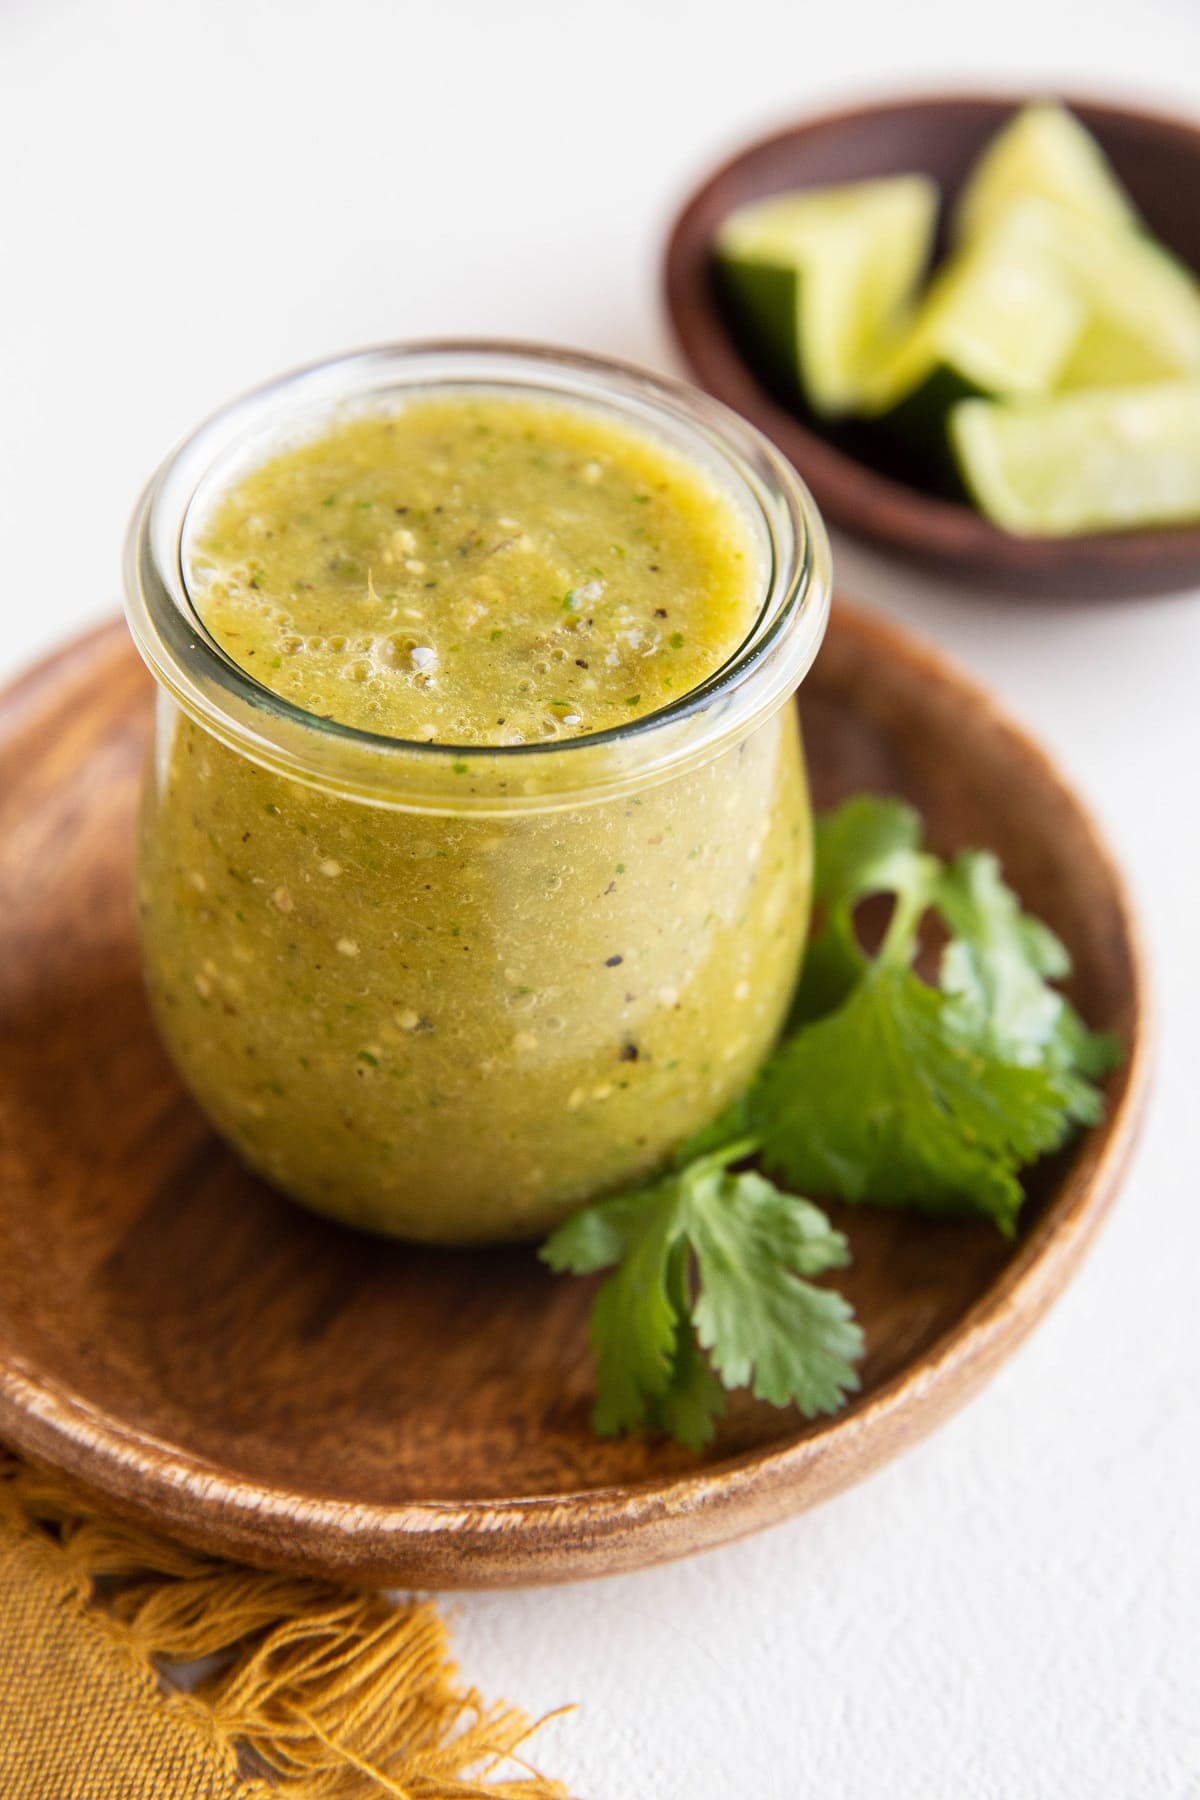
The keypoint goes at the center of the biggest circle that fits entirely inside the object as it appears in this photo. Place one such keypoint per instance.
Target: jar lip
(222, 696)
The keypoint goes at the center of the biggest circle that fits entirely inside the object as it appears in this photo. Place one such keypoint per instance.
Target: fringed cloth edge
(338, 1693)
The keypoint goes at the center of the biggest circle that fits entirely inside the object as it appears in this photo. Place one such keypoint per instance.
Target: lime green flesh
(1109, 460)
(995, 320)
(1044, 151)
(819, 277)
(1117, 351)
(478, 570)
(1141, 307)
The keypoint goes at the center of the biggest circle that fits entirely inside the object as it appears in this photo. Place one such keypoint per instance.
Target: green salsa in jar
(476, 845)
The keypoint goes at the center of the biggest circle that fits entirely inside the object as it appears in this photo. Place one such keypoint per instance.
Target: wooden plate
(265, 1384)
(857, 484)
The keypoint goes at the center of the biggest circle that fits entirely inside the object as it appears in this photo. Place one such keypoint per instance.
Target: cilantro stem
(722, 1157)
(900, 941)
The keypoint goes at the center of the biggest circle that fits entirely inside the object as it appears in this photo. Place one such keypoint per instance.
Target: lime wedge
(1142, 307)
(817, 277)
(1118, 348)
(1044, 151)
(1109, 460)
(999, 318)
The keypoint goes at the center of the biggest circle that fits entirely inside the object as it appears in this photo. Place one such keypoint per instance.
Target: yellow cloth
(331, 1694)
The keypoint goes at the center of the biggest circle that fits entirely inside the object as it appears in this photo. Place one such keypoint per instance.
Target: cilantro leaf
(709, 1261)
(1093, 1054)
(694, 1399)
(997, 971)
(635, 1322)
(1000, 960)
(764, 1326)
(882, 1101)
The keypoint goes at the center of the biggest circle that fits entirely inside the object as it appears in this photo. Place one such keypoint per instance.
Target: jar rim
(758, 676)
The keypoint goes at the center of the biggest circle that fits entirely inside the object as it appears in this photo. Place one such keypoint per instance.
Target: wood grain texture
(213, 1360)
(856, 482)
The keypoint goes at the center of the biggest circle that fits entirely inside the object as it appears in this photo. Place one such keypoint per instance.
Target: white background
(194, 197)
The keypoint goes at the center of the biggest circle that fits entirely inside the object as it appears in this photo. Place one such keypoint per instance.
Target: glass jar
(451, 993)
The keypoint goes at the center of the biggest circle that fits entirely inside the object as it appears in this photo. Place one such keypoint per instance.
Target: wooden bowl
(262, 1383)
(855, 482)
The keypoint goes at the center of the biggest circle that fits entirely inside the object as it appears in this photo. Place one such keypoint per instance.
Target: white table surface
(194, 197)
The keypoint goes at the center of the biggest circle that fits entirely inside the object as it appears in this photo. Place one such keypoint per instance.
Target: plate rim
(570, 1534)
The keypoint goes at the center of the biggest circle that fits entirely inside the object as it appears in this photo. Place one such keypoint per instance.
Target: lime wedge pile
(1053, 360)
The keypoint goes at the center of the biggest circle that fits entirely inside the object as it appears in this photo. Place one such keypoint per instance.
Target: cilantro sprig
(894, 1092)
(886, 1090)
(710, 1290)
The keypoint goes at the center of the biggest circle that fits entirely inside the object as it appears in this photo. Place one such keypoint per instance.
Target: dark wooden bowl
(855, 483)
(258, 1381)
